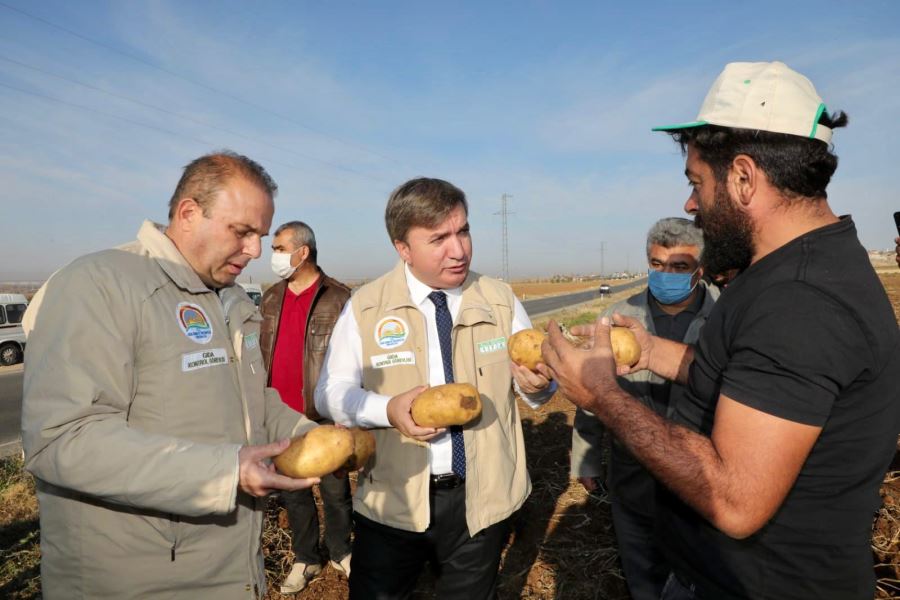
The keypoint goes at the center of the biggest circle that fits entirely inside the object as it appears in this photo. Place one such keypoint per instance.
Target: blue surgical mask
(670, 288)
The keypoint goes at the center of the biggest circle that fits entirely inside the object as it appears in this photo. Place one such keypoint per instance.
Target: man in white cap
(775, 454)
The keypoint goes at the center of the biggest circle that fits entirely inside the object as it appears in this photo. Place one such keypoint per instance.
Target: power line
(178, 134)
(207, 87)
(191, 119)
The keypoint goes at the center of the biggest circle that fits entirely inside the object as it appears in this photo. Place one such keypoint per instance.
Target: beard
(727, 236)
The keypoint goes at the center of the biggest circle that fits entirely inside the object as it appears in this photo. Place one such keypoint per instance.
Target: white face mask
(281, 263)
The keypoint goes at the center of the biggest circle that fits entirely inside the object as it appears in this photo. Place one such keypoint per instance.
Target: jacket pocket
(319, 331)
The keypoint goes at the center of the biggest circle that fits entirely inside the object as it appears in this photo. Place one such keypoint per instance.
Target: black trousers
(387, 561)
(646, 569)
(304, 520)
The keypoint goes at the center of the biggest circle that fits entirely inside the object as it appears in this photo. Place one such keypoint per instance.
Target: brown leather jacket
(330, 298)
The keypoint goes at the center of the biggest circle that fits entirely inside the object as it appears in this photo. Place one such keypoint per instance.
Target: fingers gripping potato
(445, 405)
(320, 451)
(524, 347)
(625, 347)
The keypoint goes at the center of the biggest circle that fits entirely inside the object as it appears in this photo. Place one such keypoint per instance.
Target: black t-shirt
(806, 334)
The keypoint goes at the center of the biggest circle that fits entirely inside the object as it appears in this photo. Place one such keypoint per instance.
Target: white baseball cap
(764, 96)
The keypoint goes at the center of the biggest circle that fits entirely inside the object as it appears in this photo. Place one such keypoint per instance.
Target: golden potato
(445, 405)
(363, 448)
(322, 450)
(524, 347)
(625, 347)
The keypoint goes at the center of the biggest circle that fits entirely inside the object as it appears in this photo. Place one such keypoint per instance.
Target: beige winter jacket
(141, 385)
(395, 490)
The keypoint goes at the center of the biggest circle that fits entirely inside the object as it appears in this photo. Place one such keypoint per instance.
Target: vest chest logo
(494, 345)
(193, 322)
(391, 332)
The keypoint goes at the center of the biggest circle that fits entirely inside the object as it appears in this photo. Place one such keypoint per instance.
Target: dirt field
(563, 546)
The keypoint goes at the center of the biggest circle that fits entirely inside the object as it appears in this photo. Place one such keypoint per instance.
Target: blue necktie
(444, 327)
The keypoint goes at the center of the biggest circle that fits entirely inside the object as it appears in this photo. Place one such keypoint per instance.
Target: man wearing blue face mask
(675, 306)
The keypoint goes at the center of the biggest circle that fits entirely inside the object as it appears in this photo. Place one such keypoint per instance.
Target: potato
(524, 348)
(322, 450)
(363, 449)
(625, 347)
(445, 405)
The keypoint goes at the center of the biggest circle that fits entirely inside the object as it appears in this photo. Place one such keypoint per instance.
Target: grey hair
(302, 235)
(674, 231)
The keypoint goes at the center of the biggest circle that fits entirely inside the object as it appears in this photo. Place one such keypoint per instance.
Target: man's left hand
(584, 375)
(529, 382)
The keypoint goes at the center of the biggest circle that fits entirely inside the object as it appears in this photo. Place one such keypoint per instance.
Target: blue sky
(103, 103)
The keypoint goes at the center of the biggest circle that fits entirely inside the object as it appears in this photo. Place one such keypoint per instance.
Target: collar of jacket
(163, 250)
(474, 308)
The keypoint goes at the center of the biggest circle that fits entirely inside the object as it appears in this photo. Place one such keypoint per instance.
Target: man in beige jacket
(430, 494)
(146, 418)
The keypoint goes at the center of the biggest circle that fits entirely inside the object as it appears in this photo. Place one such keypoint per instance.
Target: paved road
(540, 306)
(10, 408)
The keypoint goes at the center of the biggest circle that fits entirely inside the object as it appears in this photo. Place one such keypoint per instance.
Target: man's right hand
(399, 415)
(258, 476)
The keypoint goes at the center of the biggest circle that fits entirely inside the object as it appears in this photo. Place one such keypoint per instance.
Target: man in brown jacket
(146, 419)
(299, 313)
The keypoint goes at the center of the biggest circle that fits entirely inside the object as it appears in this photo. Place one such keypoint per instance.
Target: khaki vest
(395, 491)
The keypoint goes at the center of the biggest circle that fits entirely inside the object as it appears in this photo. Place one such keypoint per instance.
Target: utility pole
(602, 258)
(505, 237)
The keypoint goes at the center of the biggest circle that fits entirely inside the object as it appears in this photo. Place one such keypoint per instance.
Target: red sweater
(287, 360)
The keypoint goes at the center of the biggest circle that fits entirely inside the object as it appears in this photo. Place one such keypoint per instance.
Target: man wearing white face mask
(675, 305)
(299, 313)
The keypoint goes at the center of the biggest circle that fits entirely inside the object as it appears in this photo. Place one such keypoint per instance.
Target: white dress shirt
(340, 397)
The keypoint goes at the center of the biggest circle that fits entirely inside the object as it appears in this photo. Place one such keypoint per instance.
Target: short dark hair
(421, 202)
(796, 166)
(204, 177)
(302, 235)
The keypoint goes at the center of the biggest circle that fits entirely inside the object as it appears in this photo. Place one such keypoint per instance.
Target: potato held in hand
(524, 348)
(363, 449)
(445, 405)
(625, 347)
(320, 451)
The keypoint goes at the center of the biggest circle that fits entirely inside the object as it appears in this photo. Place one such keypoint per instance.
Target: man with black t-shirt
(775, 454)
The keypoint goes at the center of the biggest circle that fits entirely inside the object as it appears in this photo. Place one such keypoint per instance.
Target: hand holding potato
(400, 417)
(258, 478)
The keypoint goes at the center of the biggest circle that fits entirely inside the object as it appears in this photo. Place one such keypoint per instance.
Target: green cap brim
(681, 126)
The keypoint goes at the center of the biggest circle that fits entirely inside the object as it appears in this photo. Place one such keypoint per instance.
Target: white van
(12, 337)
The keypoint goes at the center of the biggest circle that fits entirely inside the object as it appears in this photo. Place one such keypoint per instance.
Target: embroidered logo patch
(380, 361)
(205, 358)
(391, 332)
(494, 345)
(193, 322)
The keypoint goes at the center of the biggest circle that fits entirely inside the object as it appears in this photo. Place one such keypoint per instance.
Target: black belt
(446, 481)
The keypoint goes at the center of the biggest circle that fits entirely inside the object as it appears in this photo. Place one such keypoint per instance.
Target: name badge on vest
(192, 361)
(381, 361)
